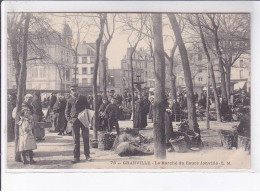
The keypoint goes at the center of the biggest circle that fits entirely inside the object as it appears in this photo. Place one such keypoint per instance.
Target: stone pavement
(56, 152)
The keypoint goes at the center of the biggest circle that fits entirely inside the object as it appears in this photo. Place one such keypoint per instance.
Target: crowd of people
(63, 112)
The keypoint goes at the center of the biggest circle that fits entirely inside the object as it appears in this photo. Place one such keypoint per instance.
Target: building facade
(143, 66)
(86, 54)
(142, 69)
(53, 71)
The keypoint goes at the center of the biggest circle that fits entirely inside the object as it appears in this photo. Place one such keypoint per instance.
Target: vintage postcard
(127, 90)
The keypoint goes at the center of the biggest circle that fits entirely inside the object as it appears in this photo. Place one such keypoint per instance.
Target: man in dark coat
(175, 111)
(112, 113)
(59, 109)
(225, 111)
(146, 104)
(140, 119)
(76, 104)
(39, 132)
(103, 123)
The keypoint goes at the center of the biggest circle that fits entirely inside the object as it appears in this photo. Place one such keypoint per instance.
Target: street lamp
(138, 81)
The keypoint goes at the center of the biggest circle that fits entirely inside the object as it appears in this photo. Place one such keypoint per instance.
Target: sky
(118, 45)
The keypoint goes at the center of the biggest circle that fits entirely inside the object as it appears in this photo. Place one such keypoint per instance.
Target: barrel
(227, 138)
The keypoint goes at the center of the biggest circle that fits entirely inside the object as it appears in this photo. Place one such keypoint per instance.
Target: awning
(239, 85)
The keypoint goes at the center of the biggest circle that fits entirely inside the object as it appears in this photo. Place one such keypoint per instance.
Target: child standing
(27, 141)
(112, 113)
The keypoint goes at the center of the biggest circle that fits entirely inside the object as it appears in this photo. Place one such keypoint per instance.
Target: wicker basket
(179, 144)
(94, 143)
(105, 140)
(227, 138)
(243, 143)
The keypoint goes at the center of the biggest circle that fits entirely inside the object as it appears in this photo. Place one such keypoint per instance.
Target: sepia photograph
(128, 90)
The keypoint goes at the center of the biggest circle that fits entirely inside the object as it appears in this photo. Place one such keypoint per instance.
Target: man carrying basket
(76, 104)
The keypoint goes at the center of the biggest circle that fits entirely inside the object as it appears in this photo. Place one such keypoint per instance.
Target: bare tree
(108, 35)
(228, 38)
(193, 124)
(173, 90)
(159, 95)
(102, 20)
(211, 71)
(136, 27)
(27, 34)
(234, 31)
(18, 35)
(80, 32)
(212, 25)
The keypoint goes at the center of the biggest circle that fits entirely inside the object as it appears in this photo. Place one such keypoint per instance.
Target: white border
(11, 179)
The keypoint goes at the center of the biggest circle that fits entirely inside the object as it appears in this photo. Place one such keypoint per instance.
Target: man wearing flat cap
(76, 104)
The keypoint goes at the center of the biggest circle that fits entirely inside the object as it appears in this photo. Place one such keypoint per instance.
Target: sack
(127, 149)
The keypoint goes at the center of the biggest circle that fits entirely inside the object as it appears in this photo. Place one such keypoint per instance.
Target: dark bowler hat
(74, 86)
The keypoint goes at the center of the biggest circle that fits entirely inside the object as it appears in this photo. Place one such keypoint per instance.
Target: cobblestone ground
(56, 152)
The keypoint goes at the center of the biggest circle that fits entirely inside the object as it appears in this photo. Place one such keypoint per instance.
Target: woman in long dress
(140, 119)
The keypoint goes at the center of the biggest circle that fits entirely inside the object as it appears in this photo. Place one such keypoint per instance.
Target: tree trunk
(159, 94)
(173, 93)
(22, 84)
(211, 71)
(104, 70)
(228, 74)
(221, 68)
(98, 43)
(132, 83)
(75, 67)
(215, 91)
(193, 124)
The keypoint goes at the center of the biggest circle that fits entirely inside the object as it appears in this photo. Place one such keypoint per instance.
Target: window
(241, 63)
(200, 79)
(77, 71)
(84, 59)
(126, 73)
(68, 75)
(92, 59)
(91, 80)
(34, 72)
(92, 70)
(42, 72)
(84, 80)
(84, 70)
(74, 60)
(199, 57)
(73, 80)
(241, 74)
